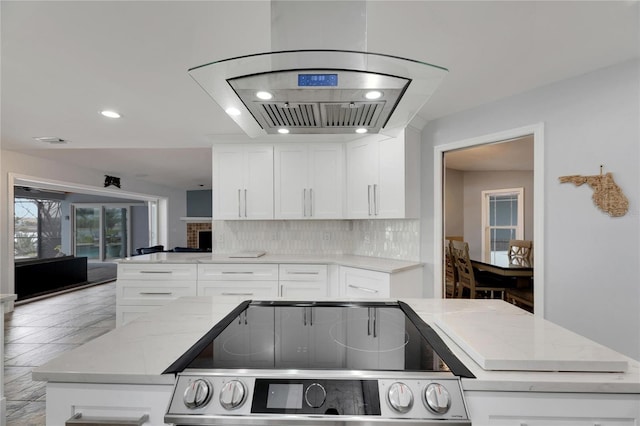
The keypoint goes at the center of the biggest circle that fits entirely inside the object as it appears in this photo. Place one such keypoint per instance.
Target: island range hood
(333, 93)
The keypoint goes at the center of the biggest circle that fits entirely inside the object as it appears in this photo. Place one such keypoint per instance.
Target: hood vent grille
(290, 116)
(351, 115)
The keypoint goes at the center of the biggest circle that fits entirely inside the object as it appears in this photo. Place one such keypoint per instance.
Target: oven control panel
(389, 398)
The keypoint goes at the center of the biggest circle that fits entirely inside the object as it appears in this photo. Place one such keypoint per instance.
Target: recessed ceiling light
(373, 94)
(283, 131)
(51, 139)
(232, 111)
(265, 96)
(361, 130)
(110, 114)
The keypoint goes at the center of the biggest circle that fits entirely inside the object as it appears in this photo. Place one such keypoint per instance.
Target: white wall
(592, 271)
(13, 162)
(474, 184)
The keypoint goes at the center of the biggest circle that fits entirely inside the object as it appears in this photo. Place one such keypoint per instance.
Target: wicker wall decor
(607, 195)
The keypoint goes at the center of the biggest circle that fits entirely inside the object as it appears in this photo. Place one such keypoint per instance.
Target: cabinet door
(228, 185)
(390, 189)
(362, 174)
(258, 189)
(326, 181)
(291, 188)
(292, 347)
(327, 329)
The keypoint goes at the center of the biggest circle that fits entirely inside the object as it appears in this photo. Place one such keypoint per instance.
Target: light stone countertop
(364, 262)
(138, 352)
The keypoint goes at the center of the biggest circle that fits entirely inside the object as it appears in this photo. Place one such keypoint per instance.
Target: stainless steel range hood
(336, 94)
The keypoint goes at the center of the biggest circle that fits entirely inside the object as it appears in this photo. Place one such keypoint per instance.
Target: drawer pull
(302, 273)
(156, 272)
(156, 293)
(368, 290)
(237, 294)
(78, 420)
(238, 272)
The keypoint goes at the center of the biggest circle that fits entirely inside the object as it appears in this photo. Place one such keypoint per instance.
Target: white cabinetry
(308, 181)
(242, 279)
(141, 288)
(305, 282)
(242, 182)
(383, 177)
(545, 408)
(365, 284)
(111, 403)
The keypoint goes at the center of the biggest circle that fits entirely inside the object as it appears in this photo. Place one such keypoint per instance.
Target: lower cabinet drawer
(293, 272)
(157, 271)
(237, 272)
(151, 293)
(362, 283)
(254, 289)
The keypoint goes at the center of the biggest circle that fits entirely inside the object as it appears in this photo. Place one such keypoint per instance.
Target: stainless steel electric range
(340, 363)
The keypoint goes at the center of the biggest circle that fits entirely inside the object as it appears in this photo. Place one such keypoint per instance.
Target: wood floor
(39, 331)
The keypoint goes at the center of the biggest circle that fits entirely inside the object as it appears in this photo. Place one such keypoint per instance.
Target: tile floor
(39, 331)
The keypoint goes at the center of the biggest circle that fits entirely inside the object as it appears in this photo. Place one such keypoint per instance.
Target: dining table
(518, 268)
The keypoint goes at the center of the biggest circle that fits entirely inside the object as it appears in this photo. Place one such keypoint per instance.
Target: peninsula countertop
(363, 262)
(140, 351)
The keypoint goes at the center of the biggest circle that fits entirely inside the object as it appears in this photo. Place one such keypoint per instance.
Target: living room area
(65, 240)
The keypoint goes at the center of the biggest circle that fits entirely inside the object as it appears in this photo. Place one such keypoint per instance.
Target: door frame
(537, 130)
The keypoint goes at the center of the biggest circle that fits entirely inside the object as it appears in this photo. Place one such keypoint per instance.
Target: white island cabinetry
(141, 288)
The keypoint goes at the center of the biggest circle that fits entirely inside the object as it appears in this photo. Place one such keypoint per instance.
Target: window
(503, 220)
(37, 228)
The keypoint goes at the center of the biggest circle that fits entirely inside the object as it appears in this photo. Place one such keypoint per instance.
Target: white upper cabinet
(242, 182)
(308, 181)
(383, 177)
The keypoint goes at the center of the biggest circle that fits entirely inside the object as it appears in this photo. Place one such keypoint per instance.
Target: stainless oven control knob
(315, 395)
(198, 393)
(437, 398)
(400, 397)
(233, 394)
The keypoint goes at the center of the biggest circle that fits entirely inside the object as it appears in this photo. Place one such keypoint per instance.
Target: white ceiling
(512, 155)
(63, 62)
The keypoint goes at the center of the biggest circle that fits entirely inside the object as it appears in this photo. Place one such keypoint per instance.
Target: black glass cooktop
(322, 335)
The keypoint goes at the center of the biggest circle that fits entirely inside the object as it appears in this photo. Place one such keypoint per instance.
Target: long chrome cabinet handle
(78, 420)
(304, 202)
(369, 199)
(239, 205)
(368, 290)
(375, 200)
(156, 272)
(302, 273)
(310, 202)
(236, 294)
(245, 203)
(238, 272)
(156, 293)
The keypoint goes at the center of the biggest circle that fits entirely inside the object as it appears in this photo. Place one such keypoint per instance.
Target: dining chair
(451, 274)
(521, 297)
(520, 251)
(459, 251)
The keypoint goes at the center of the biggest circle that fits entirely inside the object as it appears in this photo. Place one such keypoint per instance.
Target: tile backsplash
(395, 239)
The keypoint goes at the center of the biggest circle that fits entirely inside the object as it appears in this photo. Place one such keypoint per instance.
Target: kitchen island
(120, 373)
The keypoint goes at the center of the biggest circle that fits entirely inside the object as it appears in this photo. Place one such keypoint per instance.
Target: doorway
(471, 230)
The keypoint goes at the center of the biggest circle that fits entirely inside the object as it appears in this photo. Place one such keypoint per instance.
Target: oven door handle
(258, 420)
